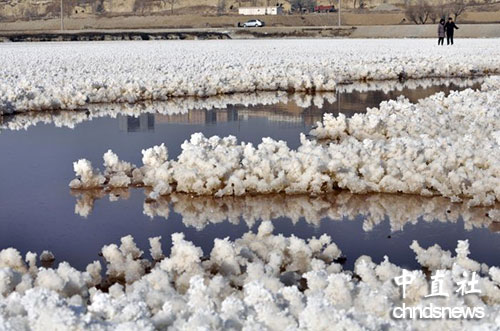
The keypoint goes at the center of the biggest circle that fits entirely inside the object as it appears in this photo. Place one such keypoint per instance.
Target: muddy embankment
(378, 31)
(108, 36)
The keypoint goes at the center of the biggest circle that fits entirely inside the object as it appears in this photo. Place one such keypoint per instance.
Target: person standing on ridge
(450, 26)
(441, 32)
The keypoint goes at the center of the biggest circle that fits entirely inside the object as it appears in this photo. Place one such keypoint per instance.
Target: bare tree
(99, 7)
(419, 13)
(411, 13)
(221, 7)
(68, 7)
(172, 3)
(434, 15)
(303, 4)
(54, 8)
(424, 11)
(361, 4)
(457, 8)
(443, 9)
(440, 11)
(139, 6)
(29, 13)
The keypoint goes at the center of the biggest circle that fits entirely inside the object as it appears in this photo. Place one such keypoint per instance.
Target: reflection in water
(37, 212)
(141, 123)
(199, 211)
(298, 108)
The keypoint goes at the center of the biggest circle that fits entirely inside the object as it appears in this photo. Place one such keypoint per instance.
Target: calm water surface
(38, 211)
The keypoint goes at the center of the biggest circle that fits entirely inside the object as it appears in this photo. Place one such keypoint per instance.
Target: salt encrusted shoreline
(259, 281)
(441, 145)
(44, 76)
(174, 106)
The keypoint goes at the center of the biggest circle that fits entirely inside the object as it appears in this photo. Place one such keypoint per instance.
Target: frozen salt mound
(70, 76)
(444, 146)
(259, 281)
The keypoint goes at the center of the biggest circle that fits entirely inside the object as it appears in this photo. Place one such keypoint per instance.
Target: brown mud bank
(109, 36)
(377, 31)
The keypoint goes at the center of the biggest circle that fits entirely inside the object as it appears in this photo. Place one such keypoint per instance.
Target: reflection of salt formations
(170, 107)
(442, 145)
(398, 85)
(375, 208)
(271, 116)
(47, 77)
(199, 212)
(259, 281)
(174, 106)
(85, 199)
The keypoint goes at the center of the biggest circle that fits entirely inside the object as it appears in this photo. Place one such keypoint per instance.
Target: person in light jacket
(441, 32)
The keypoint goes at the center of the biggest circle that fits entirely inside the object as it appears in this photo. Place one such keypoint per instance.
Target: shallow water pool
(38, 211)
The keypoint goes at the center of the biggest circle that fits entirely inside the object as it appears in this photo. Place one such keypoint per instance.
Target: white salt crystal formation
(71, 76)
(88, 177)
(47, 256)
(444, 146)
(175, 106)
(259, 281)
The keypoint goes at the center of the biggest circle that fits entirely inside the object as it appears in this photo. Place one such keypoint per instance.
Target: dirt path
(377, 31)
(228, 21)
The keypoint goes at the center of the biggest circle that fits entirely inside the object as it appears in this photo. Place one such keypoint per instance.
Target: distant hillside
(35, 10)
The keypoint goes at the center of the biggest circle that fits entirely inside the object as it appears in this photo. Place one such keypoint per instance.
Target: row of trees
(310, 4)
(419, 13)
(422, 12)
(142, 5)
(302, 5)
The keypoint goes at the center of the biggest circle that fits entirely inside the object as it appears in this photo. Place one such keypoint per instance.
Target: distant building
(200, 116)
(254, 11)
(143, 123)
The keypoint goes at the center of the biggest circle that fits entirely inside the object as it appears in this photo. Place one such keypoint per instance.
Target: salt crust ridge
(441, 145)
(259, 281)
(375, 208)
(50, 76)
(174, 106)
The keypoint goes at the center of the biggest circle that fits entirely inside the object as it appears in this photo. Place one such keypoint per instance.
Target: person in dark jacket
(450, 28)
(441, 32)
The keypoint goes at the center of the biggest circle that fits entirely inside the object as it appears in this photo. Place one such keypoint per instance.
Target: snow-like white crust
(259, 281)
(175, 106)
(444, 146)
(88, 177)
(41, 76)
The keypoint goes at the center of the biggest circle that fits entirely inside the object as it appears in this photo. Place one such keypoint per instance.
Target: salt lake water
(39, 212)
